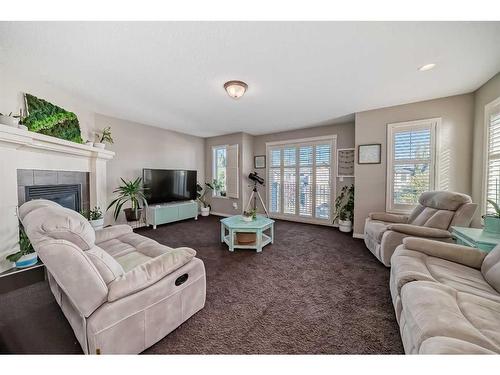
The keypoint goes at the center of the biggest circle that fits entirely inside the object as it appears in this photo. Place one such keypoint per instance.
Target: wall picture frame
(370, 153)
(259, 161)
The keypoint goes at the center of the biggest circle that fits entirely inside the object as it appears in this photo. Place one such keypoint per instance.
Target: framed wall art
(369, 154)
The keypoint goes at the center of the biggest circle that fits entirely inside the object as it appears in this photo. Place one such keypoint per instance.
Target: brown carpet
(315, 290)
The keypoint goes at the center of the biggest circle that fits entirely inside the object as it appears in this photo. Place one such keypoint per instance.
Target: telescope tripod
(254, 195)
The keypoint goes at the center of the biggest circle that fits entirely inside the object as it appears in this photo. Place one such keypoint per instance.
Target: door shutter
(232, 176)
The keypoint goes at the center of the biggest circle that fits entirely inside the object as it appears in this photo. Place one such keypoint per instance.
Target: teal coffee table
(235, 224)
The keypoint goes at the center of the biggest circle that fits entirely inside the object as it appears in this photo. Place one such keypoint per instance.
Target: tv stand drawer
(167, 213)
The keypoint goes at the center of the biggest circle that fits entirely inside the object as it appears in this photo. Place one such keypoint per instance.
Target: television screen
(169, 185)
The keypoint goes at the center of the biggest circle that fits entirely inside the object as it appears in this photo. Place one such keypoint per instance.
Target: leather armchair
(432, 218)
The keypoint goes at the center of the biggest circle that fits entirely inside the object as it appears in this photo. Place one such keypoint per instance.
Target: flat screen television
(169, 185)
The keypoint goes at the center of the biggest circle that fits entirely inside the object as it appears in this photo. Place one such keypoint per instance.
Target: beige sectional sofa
(435, 213)
(121, 292)
(446, 297)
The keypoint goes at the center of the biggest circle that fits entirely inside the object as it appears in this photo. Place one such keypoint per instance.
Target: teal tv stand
(158, 214)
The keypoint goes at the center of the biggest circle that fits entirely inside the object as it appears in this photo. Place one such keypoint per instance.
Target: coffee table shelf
(236, 224)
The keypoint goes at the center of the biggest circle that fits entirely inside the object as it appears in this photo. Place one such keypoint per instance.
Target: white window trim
(435, 126)
(488, 110)
(333, 177)
(214, 168)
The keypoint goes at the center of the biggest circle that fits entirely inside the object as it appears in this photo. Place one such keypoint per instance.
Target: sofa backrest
(491, 268)
(65, 241)
(442, 209)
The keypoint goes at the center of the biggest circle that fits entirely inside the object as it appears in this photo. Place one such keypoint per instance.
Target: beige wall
(454, 155)
(484, 95)
(345, 139)
(140, 146)
(12, 88)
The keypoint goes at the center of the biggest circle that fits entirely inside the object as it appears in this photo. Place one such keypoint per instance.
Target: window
(225, 171)
(220, 159)
(492, 165)
(300, 180)
(410, 163)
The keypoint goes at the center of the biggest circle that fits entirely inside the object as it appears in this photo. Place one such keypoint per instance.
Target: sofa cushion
(448, 345)
(409, 265)
(34, 204)
(433, 310)
(107, 266)
(433, 218)
(59, 223)
(491, 268)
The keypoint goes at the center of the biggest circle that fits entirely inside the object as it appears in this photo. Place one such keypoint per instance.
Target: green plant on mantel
(25, 246)
(49, 119)
(105, 136)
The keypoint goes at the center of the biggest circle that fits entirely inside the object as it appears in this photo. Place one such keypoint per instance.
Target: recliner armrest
(419, 231)
(385, 216)
(109, 233)
(468, 256)
(146, 274)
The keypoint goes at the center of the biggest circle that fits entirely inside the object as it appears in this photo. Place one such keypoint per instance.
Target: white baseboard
(358, 235)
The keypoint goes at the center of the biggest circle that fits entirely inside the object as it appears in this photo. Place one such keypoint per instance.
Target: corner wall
(454, 159)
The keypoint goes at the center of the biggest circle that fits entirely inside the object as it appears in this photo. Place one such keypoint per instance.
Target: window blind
(493, 162)
(410, 163)
(300, 181)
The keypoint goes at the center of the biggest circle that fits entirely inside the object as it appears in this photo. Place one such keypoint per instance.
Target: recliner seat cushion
(432, 310)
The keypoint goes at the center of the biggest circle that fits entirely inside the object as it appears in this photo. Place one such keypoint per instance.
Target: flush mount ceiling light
(235, 89)
(426, 67)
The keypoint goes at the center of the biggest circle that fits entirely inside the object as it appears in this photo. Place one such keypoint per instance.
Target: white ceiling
(300, 74)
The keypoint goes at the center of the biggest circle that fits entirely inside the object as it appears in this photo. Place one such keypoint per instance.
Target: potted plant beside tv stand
(164, 213)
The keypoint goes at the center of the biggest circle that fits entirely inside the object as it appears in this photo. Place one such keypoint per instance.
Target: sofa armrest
(109, 233)
(468, 256)
(391, 218)
(419, 231)
(146, 274)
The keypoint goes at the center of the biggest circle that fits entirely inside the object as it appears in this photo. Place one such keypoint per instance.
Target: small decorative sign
(369, 154)
(345, 162)
(259, 161)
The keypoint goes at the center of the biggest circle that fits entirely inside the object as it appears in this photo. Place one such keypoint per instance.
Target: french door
(300, 183)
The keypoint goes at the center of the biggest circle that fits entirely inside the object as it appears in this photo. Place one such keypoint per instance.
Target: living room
(244, 187)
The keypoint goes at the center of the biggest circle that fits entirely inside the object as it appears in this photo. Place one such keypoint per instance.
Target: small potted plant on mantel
(26, 256)
(133, 192)
(201, 196)
(103, 137)
(344, 208)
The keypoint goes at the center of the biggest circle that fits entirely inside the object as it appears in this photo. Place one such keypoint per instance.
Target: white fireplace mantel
(22, 149)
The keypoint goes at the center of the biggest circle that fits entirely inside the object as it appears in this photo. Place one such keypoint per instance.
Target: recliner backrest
(65, 241)
(442, 209)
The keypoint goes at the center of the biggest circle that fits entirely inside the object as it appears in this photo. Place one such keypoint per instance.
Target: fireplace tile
(68, 177)
(45, 177)
(25, 177)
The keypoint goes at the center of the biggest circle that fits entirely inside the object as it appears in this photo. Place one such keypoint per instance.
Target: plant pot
(22, 127)
(132, 215)
(9, 120)
(345, 226)
(205, 211)
(245, 238)
(248, 219)
(91, 144)
(27, 260)
(100, 145)
(97, 224)
(491, 224)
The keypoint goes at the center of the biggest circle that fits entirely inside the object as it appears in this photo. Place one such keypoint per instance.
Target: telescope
(256, 178)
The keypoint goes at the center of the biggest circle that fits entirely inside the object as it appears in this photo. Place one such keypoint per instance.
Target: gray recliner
(121, 292)
(436, 212)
